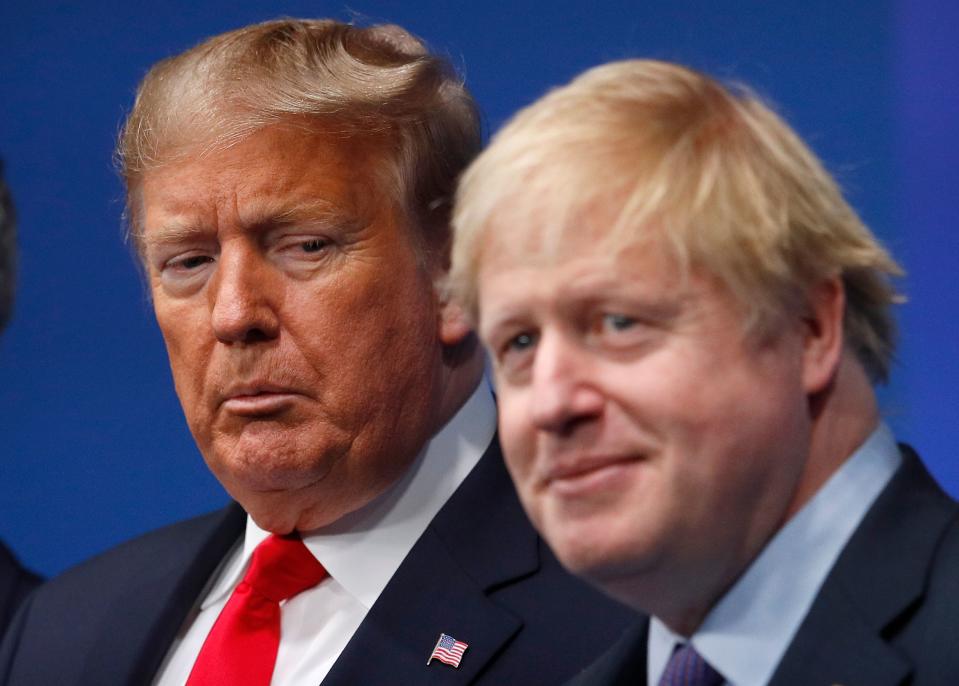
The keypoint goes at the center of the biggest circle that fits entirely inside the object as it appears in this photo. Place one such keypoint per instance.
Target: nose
(565, 392)
(241, 295)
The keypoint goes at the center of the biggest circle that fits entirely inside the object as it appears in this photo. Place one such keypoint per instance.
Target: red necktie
(241, 647)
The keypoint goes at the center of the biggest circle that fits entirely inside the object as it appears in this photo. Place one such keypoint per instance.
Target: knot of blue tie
(688, 668)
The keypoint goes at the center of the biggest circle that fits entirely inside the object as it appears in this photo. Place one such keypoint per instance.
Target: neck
(843, 416)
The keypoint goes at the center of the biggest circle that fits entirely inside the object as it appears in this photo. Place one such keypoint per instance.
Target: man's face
(651, 441)
(302, 331)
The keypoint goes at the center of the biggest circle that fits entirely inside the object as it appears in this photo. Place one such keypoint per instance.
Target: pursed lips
(257, 398)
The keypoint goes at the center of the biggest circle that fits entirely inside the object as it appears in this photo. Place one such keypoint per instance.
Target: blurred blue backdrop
(93, 446)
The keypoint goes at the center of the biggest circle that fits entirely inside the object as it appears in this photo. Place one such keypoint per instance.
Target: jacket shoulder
(929, 631)
(105, 608)
(162, 547)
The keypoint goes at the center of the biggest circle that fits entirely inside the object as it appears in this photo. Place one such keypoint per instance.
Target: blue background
(93, 446)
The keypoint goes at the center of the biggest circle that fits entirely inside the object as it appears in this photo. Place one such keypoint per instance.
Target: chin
(314, 505)
(592, 550)
(283, 512)
(275, 478)
(575, 546)
(276, 499)
(248, 467)
(582, 559)
(274, 522)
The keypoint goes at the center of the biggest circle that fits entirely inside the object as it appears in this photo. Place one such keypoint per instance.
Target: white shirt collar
(746, 634)
(363, 549)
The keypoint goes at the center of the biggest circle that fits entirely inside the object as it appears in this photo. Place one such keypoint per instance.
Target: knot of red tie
(282, 567)
(242, 645)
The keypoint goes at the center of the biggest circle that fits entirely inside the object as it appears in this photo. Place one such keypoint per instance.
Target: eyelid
(177, 261)
(298, 237)
(502, 334)
(160, 250)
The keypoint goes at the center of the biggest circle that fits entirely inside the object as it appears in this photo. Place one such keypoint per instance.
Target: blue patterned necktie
(687, 668)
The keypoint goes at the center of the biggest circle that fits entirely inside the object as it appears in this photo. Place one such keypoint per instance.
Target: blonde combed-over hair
(378, 82)
(709, 171)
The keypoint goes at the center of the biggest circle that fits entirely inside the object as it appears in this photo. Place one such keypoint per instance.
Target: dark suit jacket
(479, 573)
(15, 584)
(887, 614)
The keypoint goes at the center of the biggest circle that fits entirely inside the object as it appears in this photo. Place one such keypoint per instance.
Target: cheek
(680, 395)
(377, 312)
(188, 351)
(727, 443)
(371, 345)
(336, 320)
(517, 436)
(185, 324)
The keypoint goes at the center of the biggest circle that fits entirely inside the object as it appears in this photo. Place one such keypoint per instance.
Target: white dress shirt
(361, 552)
(746, 634)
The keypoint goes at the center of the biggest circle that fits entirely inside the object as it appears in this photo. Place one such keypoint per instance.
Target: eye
(314, 245)
(513, 357)
(618, 322)
(615, 331)
(299, 248)
(184, 273)
(520, 342)
(189, 262)
(185, 263)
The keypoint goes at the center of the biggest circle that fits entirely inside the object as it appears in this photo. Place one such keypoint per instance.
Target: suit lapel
(836, 645)
(395, 640)
(146, 616)
(624, 664)
(471, 547)
(879, 577)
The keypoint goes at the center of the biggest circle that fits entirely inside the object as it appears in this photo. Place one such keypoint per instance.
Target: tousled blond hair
(378, 82)
(711, 171)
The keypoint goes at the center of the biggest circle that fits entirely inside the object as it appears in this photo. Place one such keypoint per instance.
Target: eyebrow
(576, 298)
(312, 210)
(262, 217)
(176, 231)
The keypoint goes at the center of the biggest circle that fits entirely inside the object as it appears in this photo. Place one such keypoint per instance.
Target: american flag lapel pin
(448, 650)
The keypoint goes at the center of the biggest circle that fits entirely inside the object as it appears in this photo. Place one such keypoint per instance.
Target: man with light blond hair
(686, 320)
(288, 192)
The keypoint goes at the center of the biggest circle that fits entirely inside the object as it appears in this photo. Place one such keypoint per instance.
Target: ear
(823, 334)
(454, 324)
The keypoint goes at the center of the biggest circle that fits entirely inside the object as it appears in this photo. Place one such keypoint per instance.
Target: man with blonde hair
(686, 320)
(288, 191)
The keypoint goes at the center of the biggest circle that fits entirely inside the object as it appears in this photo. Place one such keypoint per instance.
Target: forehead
(274, 170)
(572, 269)
(524, 268)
